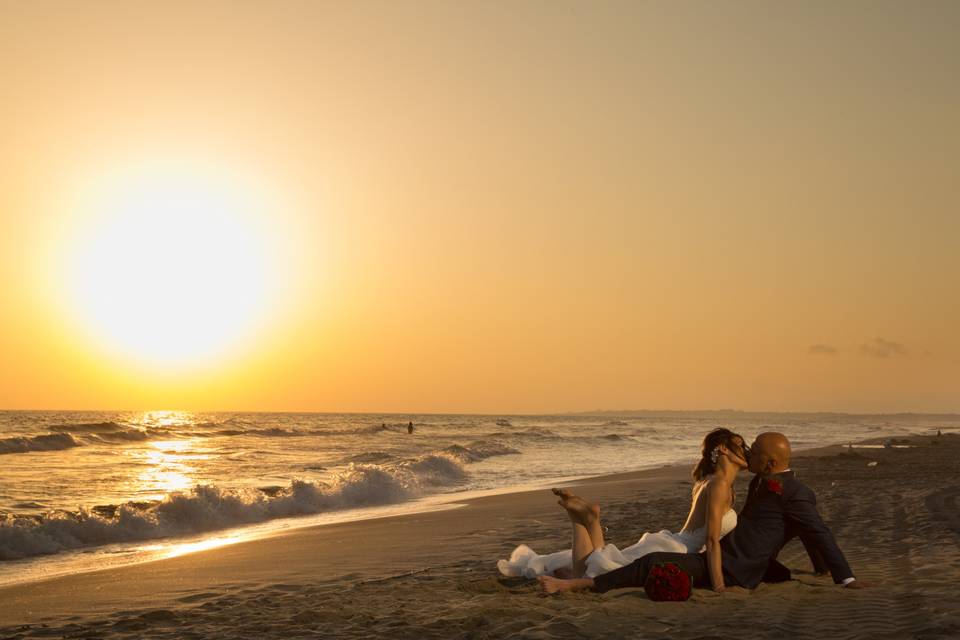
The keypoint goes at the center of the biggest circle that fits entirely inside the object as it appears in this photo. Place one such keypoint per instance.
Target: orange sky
(484, 207)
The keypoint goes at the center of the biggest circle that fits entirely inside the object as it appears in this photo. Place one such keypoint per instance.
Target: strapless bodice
(696, 539)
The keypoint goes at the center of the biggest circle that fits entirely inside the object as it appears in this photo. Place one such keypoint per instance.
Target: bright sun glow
(172, 267)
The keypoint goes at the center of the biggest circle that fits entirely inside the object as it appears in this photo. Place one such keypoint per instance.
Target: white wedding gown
(524, 561)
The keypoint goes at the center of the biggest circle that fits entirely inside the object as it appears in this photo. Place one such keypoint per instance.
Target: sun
(171, 266)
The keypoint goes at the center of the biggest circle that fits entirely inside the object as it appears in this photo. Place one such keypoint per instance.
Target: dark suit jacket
(768, 520)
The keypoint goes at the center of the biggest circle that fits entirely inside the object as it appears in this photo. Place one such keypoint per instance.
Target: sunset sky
(480, 207)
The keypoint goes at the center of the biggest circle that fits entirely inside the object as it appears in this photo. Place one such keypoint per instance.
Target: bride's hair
(708, 459)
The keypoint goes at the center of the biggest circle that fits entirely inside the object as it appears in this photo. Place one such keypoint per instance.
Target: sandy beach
(434, 575)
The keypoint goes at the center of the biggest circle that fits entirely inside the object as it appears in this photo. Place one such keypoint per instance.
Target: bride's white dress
(526, 562)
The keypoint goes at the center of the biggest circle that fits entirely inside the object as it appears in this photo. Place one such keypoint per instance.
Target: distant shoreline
(759, 414)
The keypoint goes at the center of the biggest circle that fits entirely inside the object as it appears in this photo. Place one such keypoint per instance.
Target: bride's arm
(717, 505)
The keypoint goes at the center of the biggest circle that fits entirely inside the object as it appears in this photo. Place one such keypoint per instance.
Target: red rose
(668, 582)
(775, 486)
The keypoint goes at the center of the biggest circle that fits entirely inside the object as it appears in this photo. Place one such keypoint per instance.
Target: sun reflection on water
(164, 418)
(169, 467)
(203, 545)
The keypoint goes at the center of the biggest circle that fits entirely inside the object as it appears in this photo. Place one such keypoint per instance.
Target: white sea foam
(434, 470)
(209, 507)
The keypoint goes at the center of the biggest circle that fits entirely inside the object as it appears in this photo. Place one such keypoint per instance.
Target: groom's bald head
(770, 453)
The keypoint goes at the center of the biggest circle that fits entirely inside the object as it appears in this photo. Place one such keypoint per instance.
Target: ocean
(87, 490)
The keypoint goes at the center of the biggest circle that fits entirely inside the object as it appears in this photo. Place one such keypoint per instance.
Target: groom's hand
(727, 590)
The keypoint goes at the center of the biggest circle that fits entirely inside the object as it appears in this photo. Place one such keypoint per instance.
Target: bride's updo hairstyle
(708, 461)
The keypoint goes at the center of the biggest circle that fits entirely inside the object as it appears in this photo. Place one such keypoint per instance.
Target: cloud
(822, 349)
(881, 348)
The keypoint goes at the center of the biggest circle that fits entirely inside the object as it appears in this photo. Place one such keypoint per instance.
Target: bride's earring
(715, 455)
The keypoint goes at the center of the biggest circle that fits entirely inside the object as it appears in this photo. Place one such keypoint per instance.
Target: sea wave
(210, 507)
(207, 508)
(540, 435)
(278, 432)
(433, 470)
(371, 456)
(46, 442)
(113, 432)
(534, 433)
(614, 437)
(89, 427)
(373, 428)
(272, 432)
(480, 450)
(132, 435)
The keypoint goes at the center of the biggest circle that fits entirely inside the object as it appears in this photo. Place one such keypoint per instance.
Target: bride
(723, 454)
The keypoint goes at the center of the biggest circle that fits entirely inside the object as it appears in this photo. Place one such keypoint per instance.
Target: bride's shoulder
(710, 481)
(712, 487)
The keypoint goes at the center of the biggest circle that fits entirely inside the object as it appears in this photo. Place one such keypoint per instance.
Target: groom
(779, 507)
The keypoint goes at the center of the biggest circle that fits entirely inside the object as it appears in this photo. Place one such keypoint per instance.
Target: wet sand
(434, 574)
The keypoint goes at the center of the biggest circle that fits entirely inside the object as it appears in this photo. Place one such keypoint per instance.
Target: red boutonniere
(775, 486)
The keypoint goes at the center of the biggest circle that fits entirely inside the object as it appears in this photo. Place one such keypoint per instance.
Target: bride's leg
(582, 547)
(594, 529)
(587, 531)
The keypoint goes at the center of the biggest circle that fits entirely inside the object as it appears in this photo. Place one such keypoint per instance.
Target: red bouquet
(668, 582)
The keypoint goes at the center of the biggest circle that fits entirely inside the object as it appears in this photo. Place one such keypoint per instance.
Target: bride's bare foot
(579, 509)
(551, 585)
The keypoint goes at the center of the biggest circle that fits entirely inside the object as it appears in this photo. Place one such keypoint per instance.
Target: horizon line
(950, 414)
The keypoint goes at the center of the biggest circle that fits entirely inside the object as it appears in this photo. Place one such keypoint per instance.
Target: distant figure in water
(410, 427)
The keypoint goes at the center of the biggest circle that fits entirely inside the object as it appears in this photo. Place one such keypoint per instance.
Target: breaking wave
(209, 507)
(477, 451)
(200, 509)
(112, 432)
(46, 442)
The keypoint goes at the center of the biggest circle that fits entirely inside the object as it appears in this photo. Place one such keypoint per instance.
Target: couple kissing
(717, 547)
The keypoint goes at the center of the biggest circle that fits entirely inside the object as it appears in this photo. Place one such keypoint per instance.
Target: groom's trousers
(635, 574)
